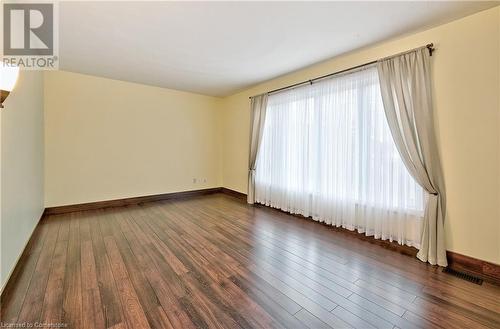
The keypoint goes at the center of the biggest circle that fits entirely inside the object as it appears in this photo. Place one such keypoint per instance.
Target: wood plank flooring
(215, 262)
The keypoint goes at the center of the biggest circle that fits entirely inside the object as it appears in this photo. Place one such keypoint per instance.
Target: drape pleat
(258, 109)
(405, 85)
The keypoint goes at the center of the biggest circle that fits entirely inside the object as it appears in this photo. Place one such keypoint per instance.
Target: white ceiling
(217, 48)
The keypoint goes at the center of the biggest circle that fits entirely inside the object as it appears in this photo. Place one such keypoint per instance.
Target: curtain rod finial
(430, 46)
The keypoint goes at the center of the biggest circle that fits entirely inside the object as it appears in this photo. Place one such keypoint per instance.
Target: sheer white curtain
(327, 152)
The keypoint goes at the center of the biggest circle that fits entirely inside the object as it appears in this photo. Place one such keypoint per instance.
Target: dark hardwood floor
(215, 262)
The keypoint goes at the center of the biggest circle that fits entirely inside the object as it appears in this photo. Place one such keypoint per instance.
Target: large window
(327, 152)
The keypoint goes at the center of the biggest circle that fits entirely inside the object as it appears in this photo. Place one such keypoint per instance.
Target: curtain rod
(429, 46)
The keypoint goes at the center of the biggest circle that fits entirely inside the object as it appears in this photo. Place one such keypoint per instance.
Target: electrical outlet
(194, 180)
(204, 180)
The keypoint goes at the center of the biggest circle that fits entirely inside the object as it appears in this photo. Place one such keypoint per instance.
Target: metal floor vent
(463, 276)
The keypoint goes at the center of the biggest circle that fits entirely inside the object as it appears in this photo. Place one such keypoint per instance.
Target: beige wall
(498, 155)
(466, 94)
(21, 163)
(107, 139)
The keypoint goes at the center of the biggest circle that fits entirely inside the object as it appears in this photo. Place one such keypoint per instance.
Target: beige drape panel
(406, 93)
(257, 119)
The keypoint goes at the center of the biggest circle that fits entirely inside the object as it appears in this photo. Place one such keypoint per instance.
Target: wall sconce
(8, 78)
